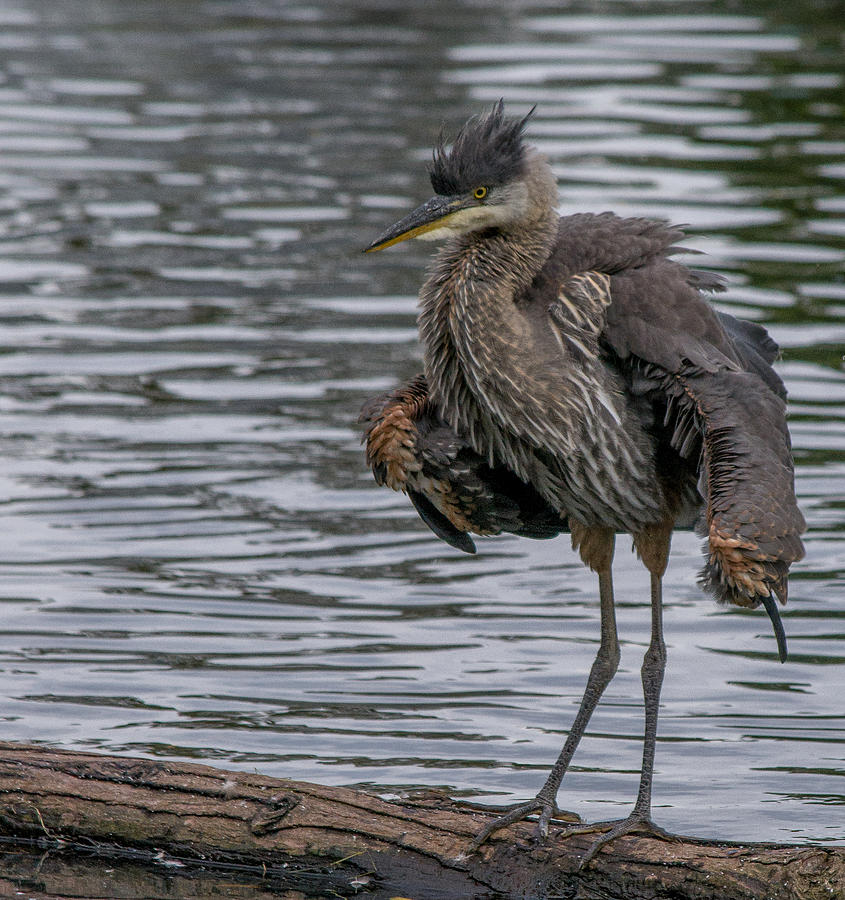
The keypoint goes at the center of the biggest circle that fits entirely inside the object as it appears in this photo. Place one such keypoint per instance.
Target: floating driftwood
(331, 841)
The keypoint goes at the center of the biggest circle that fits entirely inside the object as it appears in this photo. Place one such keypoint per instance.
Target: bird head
(488, 178)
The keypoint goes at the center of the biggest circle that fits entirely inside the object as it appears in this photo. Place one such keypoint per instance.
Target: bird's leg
(654, 665)
(603, 669)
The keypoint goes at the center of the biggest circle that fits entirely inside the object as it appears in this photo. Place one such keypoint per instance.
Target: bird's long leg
(602, 671)
(654, 665)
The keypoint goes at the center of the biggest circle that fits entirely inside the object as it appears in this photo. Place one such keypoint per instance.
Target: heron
(577, 378)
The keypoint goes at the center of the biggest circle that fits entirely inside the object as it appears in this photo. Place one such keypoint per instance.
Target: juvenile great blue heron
(577, 379)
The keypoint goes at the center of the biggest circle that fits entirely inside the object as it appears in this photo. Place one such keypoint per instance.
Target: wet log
(335, 841)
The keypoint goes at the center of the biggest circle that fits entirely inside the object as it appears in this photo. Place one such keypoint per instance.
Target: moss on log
(346, 842)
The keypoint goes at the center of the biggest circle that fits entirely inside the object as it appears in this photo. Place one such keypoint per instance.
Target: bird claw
(547, 809)
(636, 822)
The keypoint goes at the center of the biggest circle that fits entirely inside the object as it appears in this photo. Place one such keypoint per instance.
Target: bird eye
(480, 193)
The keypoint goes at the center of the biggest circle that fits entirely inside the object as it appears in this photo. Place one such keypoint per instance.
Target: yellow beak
(434, 213)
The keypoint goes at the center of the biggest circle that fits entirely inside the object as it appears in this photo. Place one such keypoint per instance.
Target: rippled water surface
(196, 564)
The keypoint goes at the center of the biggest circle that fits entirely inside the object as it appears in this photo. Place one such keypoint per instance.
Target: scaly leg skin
(654, 664)
(603, 669)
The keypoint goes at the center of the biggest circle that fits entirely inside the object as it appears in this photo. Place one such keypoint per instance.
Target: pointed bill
(433, 214)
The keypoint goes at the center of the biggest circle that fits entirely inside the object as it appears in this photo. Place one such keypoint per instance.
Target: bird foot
(547, 809)
(636, 822)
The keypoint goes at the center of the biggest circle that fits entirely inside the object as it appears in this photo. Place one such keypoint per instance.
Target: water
(196, 563)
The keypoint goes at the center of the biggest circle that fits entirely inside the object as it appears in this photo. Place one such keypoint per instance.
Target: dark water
(196, 564)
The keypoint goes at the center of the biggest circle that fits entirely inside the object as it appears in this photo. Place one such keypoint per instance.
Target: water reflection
(196, 563)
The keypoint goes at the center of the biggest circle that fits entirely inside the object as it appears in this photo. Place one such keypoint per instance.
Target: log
(328, 841)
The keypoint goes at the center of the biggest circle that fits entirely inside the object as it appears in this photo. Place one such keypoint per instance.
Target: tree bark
(328, 839)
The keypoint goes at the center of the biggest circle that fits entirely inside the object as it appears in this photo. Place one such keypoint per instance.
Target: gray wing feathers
(750, 517)
(725, 412)
(454, 490)
(723, 407)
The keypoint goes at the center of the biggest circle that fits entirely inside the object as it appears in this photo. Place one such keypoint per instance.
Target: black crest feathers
(488, 151)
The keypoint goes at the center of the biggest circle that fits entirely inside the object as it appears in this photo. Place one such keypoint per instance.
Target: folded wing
(453, 489)
(723, 411)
